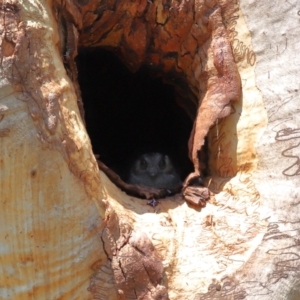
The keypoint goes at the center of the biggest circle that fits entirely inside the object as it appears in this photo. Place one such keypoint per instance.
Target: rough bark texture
(67, 232)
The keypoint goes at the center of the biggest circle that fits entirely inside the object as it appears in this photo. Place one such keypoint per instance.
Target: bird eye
(143, 164)
(162, 163)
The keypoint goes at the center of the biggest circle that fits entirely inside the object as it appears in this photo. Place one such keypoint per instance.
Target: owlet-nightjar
(154, 170)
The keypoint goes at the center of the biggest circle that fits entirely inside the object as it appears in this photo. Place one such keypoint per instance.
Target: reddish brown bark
(186, 40)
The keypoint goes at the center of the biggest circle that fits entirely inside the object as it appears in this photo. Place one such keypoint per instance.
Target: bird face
(154, 170)
(152, 164)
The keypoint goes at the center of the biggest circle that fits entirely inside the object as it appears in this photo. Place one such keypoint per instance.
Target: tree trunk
(70, 231)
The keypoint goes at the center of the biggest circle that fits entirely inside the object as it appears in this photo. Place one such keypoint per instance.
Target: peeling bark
(137, 267)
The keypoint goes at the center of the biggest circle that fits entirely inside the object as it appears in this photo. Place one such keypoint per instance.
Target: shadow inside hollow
(128, 114)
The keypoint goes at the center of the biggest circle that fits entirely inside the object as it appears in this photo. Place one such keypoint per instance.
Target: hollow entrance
(128, 114)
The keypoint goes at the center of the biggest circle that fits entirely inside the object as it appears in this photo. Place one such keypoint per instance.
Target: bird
(155, 170)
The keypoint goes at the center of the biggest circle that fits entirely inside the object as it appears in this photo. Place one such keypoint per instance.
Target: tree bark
(68, 232)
